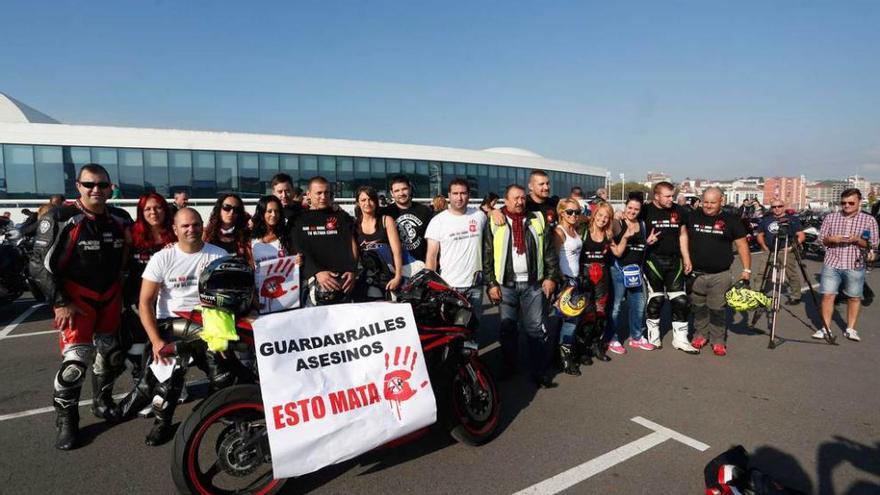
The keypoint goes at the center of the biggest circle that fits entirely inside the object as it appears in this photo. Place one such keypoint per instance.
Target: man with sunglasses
(77, 262)
(848, 236)
(790, 232)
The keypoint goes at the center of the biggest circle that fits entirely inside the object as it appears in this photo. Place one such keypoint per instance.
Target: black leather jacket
(73, 244)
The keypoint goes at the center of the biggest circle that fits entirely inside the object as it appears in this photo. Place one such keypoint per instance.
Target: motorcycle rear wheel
(473, 407)
(215, 435)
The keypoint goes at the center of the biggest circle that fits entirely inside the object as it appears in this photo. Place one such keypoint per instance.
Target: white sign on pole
(338, 381)
(277, 282)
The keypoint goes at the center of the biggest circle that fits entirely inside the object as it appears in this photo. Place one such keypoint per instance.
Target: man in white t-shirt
(455, 238)
(170, 283)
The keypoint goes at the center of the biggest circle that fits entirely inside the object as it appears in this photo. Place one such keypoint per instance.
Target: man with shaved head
(170, 283)
(710, 234)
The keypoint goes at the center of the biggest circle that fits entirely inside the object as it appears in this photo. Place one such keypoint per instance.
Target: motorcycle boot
(138, 399)
(66, 404)
(164, 404)
(109, 364)
(680, 340)
(569, 364)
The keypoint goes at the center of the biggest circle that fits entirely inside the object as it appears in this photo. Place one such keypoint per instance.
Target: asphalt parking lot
(808, 411)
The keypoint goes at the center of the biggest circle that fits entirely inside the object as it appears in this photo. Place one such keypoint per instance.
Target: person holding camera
(849, 235)
(790, 232)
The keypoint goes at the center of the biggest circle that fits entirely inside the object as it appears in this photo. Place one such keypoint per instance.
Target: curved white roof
(14, 111)
(513, 151)
(21, 124)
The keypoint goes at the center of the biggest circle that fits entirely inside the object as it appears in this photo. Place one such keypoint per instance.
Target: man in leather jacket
(77, 262)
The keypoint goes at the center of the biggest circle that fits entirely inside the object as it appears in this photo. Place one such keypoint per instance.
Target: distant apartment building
(738, 190)
(860, 183)
(825, 193)
(791, 190)
(655, 177)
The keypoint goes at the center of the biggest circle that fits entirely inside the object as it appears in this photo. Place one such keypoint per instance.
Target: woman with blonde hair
(567, 241)
(594, 261)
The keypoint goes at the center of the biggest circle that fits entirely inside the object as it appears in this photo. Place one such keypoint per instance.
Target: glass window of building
(109, 159)
(131, 172)
(327, 167)
(2, 174)
(308, 168)
(156, 171)
(249, 174)
(290, 166)
(377, 174)
(227, 172)
(180, 171)
(409, 166)
(49, 168)
(75, 157)
(426, 179)
(361, 169)
(20, 179)
(204, 183)
(269, 163)
(344, 177)
(393, 167)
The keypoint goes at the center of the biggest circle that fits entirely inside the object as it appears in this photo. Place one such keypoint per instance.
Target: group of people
(560, 270)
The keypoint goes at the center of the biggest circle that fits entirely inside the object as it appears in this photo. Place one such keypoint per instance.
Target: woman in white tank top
(569, 243)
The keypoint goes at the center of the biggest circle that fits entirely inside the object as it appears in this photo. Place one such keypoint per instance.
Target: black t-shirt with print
(635, 246)
(710, 239)
(666, 222)
(593, 251)
(547, 208)
(411, 223)
(324, 238)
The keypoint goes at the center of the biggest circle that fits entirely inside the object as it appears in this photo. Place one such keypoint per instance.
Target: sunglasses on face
(92, 185)
(228, 208)
(778, 206)
(570, 212)
(847, 203)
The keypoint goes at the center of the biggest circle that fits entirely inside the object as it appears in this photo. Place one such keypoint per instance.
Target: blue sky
(699, 89)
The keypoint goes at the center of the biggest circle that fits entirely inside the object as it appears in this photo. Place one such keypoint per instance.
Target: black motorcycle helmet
(320, 296)
(228, 284)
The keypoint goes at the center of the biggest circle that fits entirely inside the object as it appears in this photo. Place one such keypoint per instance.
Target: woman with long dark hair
(270, 245)
(378, 233)
(151, 232)
(228, 227)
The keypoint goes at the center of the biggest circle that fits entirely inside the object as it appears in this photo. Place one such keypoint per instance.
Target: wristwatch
(746, 270)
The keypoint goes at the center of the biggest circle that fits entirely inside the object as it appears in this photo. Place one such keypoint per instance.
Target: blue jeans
(523, 305)
(831, 279)
(635, 298)
(474, 295)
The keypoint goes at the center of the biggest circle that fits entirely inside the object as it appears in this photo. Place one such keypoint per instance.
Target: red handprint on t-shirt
(397, 387)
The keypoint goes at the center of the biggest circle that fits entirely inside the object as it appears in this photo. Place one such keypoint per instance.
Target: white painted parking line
(577, 474)
(82, 403)
(44, 332)
(20, 318)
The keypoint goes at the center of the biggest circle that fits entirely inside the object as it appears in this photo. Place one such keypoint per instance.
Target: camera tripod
(774, 273)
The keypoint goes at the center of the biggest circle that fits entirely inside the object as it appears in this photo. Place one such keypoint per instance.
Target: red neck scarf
(519, 238)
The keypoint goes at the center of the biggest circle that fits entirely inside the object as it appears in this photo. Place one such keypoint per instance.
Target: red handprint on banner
(273, 287)
(397, 387)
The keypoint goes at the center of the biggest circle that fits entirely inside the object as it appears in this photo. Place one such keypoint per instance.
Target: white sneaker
(819, 334)
(685, 346)
(851, 334)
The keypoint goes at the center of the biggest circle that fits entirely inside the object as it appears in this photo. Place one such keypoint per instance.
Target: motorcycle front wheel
(223, 447)
(473, 404)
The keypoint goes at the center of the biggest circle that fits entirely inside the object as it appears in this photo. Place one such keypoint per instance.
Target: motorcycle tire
(223, 407)
(469, 420)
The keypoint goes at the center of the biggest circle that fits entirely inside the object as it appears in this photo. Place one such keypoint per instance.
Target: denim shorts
(831, 278)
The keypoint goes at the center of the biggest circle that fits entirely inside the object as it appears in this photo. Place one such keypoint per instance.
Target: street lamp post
(622, 184)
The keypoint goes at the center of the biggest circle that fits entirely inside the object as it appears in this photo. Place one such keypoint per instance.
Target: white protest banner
(278, 285)
(340, 380)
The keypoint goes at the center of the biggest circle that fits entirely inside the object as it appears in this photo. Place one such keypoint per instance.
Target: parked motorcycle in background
(15, 250)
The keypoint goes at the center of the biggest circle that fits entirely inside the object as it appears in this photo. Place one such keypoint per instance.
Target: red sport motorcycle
(223, 446)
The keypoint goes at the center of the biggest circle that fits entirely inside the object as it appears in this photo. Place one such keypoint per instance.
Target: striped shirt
(847, 256)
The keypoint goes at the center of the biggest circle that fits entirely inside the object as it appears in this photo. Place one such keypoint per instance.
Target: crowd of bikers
(573, 275)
